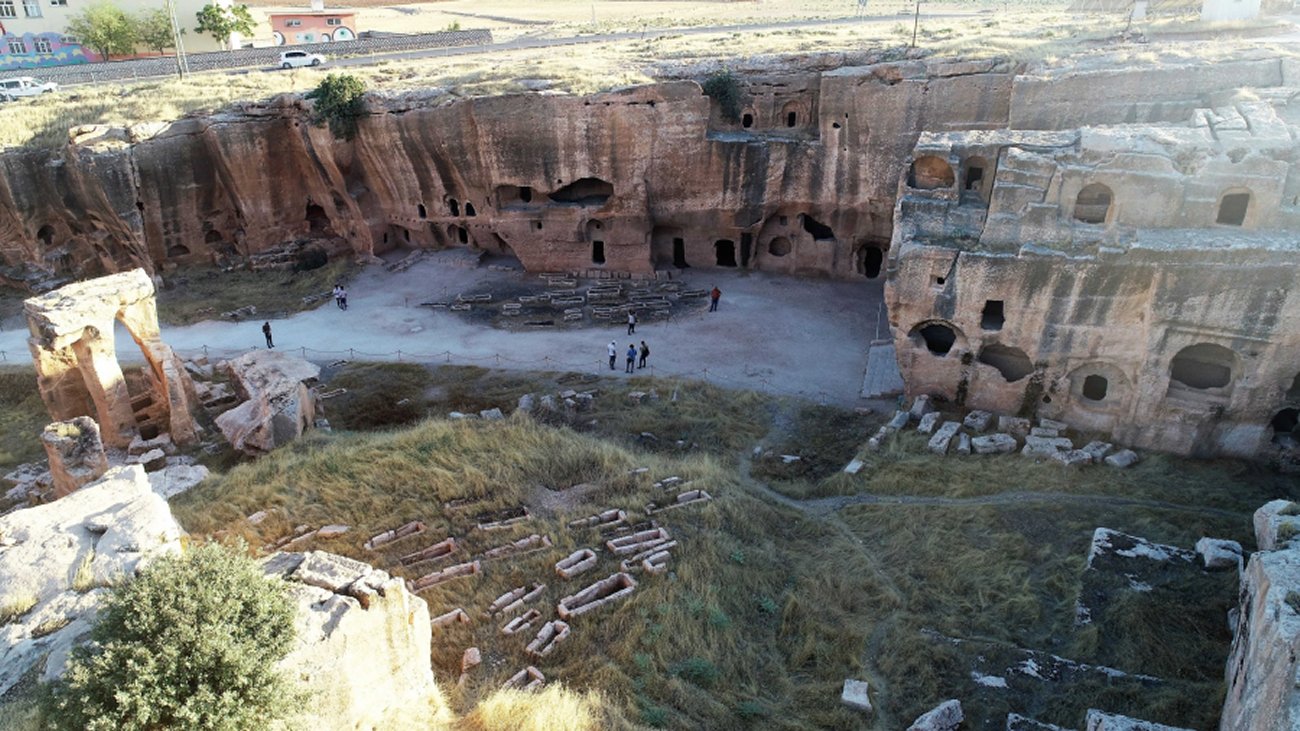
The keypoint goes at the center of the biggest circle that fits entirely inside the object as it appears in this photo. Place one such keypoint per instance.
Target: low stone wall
(141, 68)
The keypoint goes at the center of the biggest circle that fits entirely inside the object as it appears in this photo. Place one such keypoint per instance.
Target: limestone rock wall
(1135, 280)
(1263, 666)
(56, 559)
(804, 182)
(362, 648)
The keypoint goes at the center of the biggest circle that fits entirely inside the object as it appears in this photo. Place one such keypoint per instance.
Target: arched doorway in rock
(1092, 205)
(1203, 367)
(930, 172)
(938, 338)
(725, 252)
(1286, 427)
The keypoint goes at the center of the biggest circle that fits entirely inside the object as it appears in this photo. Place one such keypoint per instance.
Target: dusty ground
(775, 334)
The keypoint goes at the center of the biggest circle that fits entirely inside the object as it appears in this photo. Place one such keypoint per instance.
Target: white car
(294, 59)
(14, 88)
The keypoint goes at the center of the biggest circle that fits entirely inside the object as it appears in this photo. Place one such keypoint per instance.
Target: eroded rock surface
(75, 452)
(55, 559)
(278, 405)
(362, 646)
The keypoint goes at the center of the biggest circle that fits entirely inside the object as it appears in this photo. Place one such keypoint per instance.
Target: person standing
(714, 296)
(266, 330)
(631, 323)
(338, 295)
(631, 357)
(343, 297)
(613, 353)
(645, 353)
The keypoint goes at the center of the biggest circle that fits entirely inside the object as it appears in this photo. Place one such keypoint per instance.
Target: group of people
(631, 355)
(340, 296)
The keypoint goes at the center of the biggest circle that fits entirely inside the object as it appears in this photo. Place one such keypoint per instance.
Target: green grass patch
(22, 417)
(193, 294)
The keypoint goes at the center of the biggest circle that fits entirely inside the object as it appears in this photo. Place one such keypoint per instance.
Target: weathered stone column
(76, 453)
(97, 359)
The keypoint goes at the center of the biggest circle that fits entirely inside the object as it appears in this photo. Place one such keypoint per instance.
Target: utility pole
(915, 22)
(182, 66)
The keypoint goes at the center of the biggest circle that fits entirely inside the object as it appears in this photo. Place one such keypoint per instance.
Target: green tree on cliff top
(190, 643)
(339, 102)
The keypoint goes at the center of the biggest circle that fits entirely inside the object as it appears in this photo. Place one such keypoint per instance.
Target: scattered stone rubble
(277, 402)
(946, 716)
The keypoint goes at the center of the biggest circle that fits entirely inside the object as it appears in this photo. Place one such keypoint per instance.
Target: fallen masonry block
(513, 600)
(638, 470)
(1045, 446)
(455, 615)
(1015, 426)
(1097, 450)
(1073, 458)
(947, 716)
(963, 444)
(1122, 459)
(521, 547)
(694, 293)
(1217, 553)
(994, 444)
(576, 563)
(461, 307)
(634, 563)
(607, 590)
(483, 297)
(667, 482)
(299, 533)
(332, 531)
(601, 520)
(690, 497)
(415, 527)
(572, 316)
(876, 442)
(439, 550)
(943, 436)
(528, 679)
(470, 659)
(548, 638)
(1102, 721)
(899, 421)
(854, 695)
(458, 571)
(921, 406)
(459, 503)
(854, 466)
(1042, 431)
(1060, 426)
(656, 563)
(520, 623)
(499, 519)
(977, 420)
(637, 541)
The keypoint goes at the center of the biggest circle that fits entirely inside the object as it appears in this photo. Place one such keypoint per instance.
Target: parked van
(20, 86)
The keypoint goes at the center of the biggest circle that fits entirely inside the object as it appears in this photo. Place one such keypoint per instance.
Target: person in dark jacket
(631, 357)
(645, 353)
(266, 330)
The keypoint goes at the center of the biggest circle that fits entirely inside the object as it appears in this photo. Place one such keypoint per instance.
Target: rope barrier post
(351, 354)
(399, 356)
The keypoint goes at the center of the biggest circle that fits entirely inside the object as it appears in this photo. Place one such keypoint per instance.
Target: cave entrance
(872, 261)
(317, 220)
(598, 252)
(1203, 366)
(454, 206)
(586, 192)
(679, 253)
(1232, 209)
(992, 318)
(1286, 423)
(819, 231)
(934, 337)
(1095, 387)
(746, 248)
(419, 208)
(1092, 205)
(1012, 363)
(725, 251)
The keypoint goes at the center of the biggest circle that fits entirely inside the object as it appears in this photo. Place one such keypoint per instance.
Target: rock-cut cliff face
(802, 181)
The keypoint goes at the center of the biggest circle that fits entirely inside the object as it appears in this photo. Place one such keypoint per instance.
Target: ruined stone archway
(1009, 361)
(1203, 367)
(73, 348)
(1092, 205)
(936, 336)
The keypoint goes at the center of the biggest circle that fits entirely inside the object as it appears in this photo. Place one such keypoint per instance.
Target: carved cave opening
(929, 172)
(469, 209)
(513, 196)
(586, 192)
(993, 317)
(1232, 209)
(598, 252)
(1095, 387)
(747, 120)
(779, 246)
(420, 210)
(819, 231)
(1092, 205)
(454, 206)
(1012, 363)
(934, 337)
(177, 250)
(1203, 366)
(679, 253)
(873, 259)
(317, 220)
(1286, 422)
(725, 252)
(975, 180)
(46, 236)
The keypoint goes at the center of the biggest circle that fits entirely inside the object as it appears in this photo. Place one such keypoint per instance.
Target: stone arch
(595, 229)
(1010, 361)
(930, 172)
(1234, 204)
(792, 115)
(779, 246)
(938, 337)
(1092, 204)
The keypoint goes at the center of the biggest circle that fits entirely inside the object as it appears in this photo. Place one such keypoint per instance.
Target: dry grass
(554, 708)
(22, 417)
(203, 293)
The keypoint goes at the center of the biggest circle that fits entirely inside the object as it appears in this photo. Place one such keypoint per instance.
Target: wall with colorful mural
(41, 50)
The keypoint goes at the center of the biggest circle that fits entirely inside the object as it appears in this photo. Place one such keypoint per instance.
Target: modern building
(33, 33)
(315, 25)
